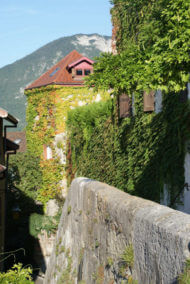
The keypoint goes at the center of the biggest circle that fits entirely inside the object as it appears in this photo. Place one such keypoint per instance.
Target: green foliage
(97, 244)
(153, 47)
(39, 223)
(84, 131)
(138, 154)
(128, 256)
(146, 151)
(17, 275)
(109, 261)
(25, 173)
(69, 210)
(184, 278)
(46, 116)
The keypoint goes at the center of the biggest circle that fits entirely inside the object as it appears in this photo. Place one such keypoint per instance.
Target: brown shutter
(124, 106)
(149, 101)
(73, 72)
(183, 95)
(45, 152)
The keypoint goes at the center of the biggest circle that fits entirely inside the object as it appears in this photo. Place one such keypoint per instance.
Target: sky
(26, 25)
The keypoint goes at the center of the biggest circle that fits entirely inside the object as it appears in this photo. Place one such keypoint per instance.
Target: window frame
(77, 70)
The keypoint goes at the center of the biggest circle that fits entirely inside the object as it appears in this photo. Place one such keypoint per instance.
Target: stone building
(49, 99)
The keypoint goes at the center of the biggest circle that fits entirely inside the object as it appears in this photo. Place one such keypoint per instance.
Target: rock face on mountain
(15, 77)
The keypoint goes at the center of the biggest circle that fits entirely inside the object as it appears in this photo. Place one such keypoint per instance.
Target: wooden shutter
(149, 101)
(73, 72)
(124, 106)
(183, 96)
(45, 151)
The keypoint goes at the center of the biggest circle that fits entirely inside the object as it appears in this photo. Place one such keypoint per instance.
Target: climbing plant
(142, 153)
(152, 39)
(138, 154)
(46, 115)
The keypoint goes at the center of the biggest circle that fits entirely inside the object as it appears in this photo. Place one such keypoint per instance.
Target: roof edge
(84, 58)
(5, 115)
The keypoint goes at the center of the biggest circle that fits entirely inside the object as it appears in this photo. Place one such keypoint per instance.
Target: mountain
(15, 77)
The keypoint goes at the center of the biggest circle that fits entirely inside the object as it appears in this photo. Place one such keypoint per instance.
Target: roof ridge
(65, 65)
(59, 76)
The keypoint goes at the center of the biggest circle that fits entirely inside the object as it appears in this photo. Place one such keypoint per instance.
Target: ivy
(153, 47)
(25, 174)
(46, 117)
(142, 153)
(40, 223)
(137, 155)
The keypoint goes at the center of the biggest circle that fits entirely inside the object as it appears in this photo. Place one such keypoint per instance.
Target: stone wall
(101, 227)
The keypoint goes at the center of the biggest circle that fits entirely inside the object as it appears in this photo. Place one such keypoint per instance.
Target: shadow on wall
(164, 145)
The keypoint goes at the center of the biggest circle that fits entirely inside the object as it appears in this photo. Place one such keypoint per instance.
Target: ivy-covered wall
(152, 39)
(47, 109)
(141, 153)
(138, 154)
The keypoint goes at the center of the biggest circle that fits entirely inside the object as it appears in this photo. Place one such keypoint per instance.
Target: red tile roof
(79, 60)
(59, 73)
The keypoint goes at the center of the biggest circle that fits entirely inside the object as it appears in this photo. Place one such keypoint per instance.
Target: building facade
(49, 99)
(7, 147)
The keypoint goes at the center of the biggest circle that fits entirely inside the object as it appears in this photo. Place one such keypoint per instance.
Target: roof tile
(59, 74)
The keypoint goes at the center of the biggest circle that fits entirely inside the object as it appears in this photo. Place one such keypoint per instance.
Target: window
(47, 153)
(53, 73)
(87, 72)
(79, 72)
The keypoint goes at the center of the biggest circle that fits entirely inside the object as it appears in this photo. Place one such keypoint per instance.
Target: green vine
(142, 153)
(138, 154)
(152, 39)
(46, 116)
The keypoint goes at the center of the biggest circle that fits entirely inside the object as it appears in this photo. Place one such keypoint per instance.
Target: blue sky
(27, 25)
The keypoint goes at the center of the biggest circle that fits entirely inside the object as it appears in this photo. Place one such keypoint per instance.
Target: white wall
(186, 194)
(158, 101)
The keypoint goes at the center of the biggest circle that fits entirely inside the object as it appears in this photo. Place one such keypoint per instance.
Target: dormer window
(87, 72)
(80, 68)
(79, 72)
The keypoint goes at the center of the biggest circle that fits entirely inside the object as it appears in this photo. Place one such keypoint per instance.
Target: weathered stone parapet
(99, 222)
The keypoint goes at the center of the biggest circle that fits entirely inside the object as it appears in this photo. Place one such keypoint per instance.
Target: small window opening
(79, 72)
(86, 72)
(53, 73)
(47, 153)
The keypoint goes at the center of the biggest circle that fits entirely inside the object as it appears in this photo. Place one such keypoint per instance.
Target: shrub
(17, 275)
